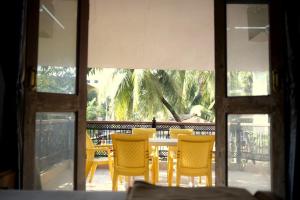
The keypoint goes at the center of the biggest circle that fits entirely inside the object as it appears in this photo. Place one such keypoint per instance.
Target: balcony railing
(246, 142)
(54, 143)
(249, 142)
(100, 131)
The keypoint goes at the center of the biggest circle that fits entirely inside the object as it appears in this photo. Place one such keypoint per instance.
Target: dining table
(159, 142)
(167, 142)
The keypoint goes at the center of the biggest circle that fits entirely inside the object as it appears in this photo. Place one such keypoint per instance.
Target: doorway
(232, 106)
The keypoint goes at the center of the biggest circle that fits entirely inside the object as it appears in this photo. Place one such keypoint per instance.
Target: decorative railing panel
(248, 142)
(54, 142)
(100, 131)
(255, 143)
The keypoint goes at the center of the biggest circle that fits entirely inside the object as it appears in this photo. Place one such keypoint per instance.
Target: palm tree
(143, 93)
(240, 83)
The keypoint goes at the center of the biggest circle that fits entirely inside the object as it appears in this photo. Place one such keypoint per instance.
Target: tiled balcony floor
(251, 180)
(102, 181)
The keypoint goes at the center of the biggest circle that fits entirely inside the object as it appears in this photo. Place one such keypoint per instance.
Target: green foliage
(124, 96)
(56, 79)
(105, 109)
(240, 83)
(143, 94)
(92, 94)
(93, 110)
(92, 71)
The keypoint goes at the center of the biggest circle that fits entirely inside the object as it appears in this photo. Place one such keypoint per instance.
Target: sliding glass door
(55, 95)
(249, 122)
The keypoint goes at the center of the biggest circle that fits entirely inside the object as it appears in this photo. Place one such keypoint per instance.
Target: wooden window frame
(270, 104)
(47, 102)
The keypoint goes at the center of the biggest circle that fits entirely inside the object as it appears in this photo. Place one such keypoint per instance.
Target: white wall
(151, 34)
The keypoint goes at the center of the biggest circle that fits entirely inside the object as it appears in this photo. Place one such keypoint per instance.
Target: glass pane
(56, 70)
(247, 50)
(249, 152)
(54, 151)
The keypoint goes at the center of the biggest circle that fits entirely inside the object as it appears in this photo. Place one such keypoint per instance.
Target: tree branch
(170, 108)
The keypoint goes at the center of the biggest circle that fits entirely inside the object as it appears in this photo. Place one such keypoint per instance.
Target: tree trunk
(170, 108)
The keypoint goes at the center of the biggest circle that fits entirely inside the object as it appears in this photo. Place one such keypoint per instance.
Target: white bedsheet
(60, 195)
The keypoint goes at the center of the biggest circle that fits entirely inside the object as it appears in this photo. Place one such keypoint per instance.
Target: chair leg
(208, 180)
(189, 180)
(121, 179)
(153, 171)
(111, 169)
(156, 169)
(93, 170)
(170, 171)
(193, 181)
(128, 180)
(115, 182)
(177, 179)
(146, 176)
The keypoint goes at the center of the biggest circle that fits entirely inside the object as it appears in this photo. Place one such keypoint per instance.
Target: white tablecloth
(163, 142)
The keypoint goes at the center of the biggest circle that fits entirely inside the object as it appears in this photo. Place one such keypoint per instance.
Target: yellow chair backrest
(174, 132)
(130, 151)
(90, 153)
(89, 142)
(194, 152)
(150, 132)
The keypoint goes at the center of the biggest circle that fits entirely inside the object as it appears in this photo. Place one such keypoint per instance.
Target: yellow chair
(91, 162)
(150, 132)
(131, 156)
(174, 132)
(194, 157)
